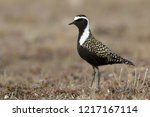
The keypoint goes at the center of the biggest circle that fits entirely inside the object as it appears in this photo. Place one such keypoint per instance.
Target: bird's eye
(78, 20)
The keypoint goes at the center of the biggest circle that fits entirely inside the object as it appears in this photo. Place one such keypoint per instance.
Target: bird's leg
(99, 77)
(94, 72)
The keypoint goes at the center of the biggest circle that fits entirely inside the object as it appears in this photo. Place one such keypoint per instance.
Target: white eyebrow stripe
(78, 17)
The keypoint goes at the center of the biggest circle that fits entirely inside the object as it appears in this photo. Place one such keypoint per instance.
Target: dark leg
(94, 72)
(99, 77)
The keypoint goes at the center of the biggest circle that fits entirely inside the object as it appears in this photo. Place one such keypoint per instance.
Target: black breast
(90, 57)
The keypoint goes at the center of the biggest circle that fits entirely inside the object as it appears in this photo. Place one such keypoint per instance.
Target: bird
(93, 51)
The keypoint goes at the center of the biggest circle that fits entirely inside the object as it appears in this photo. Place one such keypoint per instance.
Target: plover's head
(80, 21)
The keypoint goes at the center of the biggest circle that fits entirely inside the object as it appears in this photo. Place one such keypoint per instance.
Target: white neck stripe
(85, 35)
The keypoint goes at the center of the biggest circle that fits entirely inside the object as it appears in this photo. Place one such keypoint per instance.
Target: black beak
(71, 23)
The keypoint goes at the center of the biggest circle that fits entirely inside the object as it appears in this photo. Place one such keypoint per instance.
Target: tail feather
(125, 61)
(117, 59)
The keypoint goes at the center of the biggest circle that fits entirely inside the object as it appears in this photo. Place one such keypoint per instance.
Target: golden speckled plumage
(102, 51)
(96, 47)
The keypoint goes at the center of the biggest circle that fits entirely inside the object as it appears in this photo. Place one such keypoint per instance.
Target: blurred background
(37, 43)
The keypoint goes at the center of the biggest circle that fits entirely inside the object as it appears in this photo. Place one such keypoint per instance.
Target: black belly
(91, 58)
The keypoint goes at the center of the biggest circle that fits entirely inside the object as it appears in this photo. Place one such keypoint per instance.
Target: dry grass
(38, 57)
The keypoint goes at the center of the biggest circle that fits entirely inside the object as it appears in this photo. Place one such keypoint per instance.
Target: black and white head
(82, 22)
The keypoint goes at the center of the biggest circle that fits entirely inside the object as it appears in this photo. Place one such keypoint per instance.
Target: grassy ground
(38, 57)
